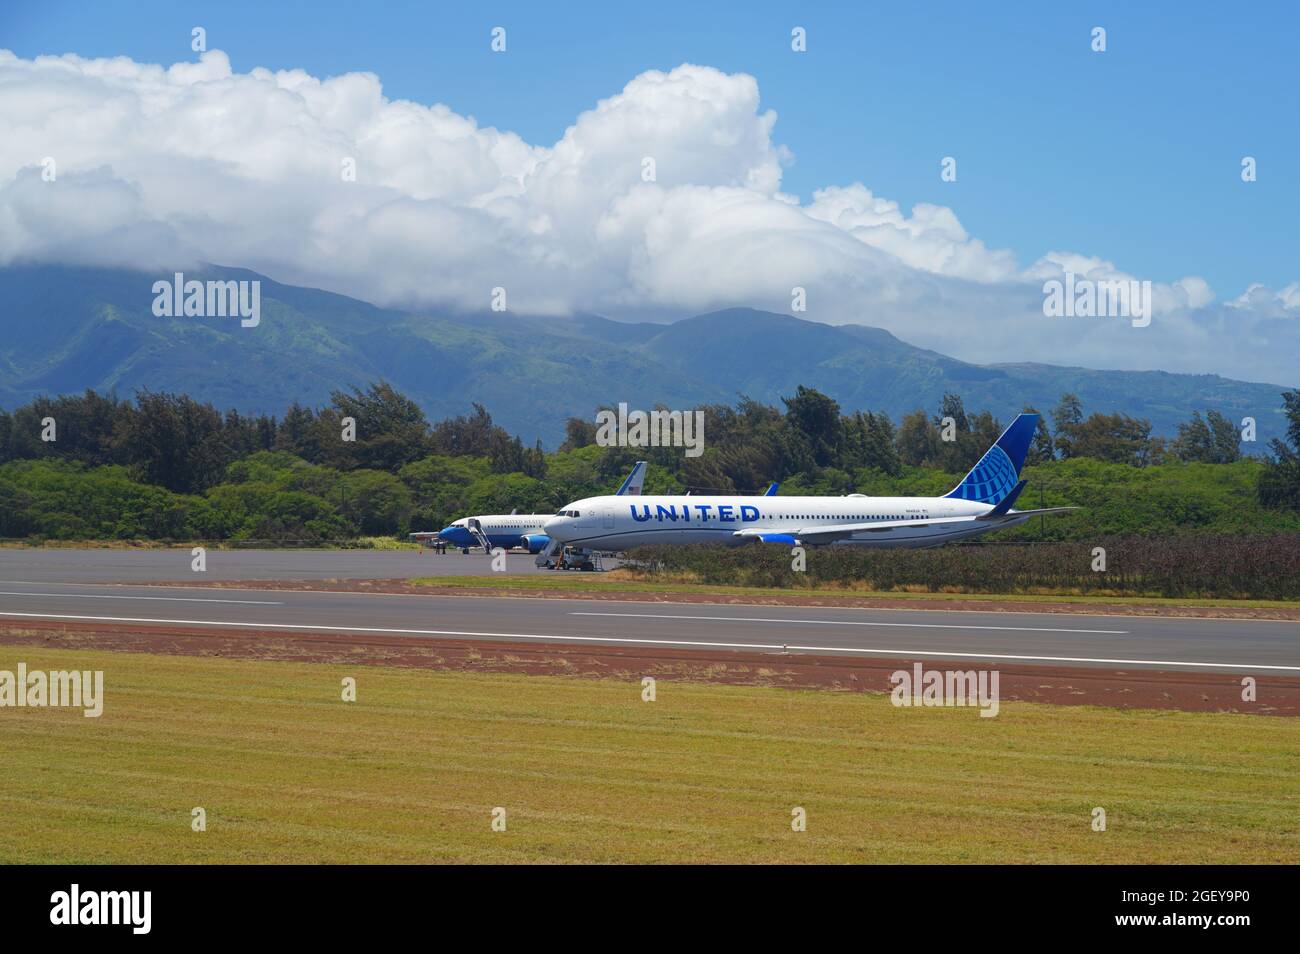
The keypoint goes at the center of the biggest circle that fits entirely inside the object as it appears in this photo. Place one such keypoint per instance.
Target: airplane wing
(822, 534)
(1000, 514)
(771, 490)
(831, 534)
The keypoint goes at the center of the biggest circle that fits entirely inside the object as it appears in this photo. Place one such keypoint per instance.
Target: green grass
(386, 543)
(587, 772)
(578, 583)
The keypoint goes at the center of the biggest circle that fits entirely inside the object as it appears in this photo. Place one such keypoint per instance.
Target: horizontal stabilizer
(1042, 512)
(1005, 503)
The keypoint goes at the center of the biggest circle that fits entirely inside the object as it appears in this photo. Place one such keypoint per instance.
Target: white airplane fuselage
(502, 530)
(619, 523)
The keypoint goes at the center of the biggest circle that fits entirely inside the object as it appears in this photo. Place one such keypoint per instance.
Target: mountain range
(69, 328)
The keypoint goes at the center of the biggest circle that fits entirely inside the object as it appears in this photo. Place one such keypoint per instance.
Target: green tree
(176, 442)
(578, 433)
(1117, 438)
(814, 426)
(1211, 440)
(1067, 418)
(1279, 481)
(918, 440)
(297, 435)
(375, 502)
(391, 430)
(869, 442)
(1042, 449)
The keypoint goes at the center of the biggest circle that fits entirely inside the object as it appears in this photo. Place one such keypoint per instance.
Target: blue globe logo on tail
(998, 470)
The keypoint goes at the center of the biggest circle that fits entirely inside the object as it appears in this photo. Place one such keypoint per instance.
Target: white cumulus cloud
(160, 168)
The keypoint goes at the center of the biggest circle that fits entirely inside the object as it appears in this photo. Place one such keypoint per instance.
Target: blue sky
(1132, 155)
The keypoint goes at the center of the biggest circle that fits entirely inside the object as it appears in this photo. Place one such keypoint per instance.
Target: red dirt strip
(1126, 689)
(792, 598)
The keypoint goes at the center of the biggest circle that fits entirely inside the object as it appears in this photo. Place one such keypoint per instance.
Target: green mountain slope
(68, 328)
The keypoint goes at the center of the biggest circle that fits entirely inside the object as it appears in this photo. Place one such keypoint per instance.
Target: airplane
(514, 529)
(489, 531)
(981, 502)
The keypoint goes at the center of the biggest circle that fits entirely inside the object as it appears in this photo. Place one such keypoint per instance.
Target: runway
(1193, 645)
(106, 565)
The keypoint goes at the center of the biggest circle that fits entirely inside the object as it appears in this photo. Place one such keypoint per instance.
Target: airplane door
(607, 518)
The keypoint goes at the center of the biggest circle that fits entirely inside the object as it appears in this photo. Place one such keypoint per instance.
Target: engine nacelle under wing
(535, 542)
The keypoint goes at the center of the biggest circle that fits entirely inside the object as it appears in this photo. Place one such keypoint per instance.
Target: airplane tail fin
(998, 471)
(635, 481)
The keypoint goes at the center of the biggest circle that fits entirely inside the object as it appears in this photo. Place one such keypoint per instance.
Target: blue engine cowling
(786, 538)
(535, 542)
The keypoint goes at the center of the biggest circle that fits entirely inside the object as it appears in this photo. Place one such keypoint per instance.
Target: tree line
(184, 445)
(168, 466)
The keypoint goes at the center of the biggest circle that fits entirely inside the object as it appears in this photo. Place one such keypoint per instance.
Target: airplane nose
(553, 526)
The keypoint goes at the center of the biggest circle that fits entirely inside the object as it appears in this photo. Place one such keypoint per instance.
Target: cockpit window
(567, 513)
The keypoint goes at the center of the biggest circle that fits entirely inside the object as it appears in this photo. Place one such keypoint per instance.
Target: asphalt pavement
(53, 584)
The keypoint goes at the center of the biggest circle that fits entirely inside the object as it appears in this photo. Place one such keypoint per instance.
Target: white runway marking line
(904, 653)
(248, 586)
(854, 622)
(160, 599)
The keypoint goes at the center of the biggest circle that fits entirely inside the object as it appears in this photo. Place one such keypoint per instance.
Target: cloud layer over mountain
(159, 168)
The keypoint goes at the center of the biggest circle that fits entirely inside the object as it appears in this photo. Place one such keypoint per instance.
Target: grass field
(586, 771)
